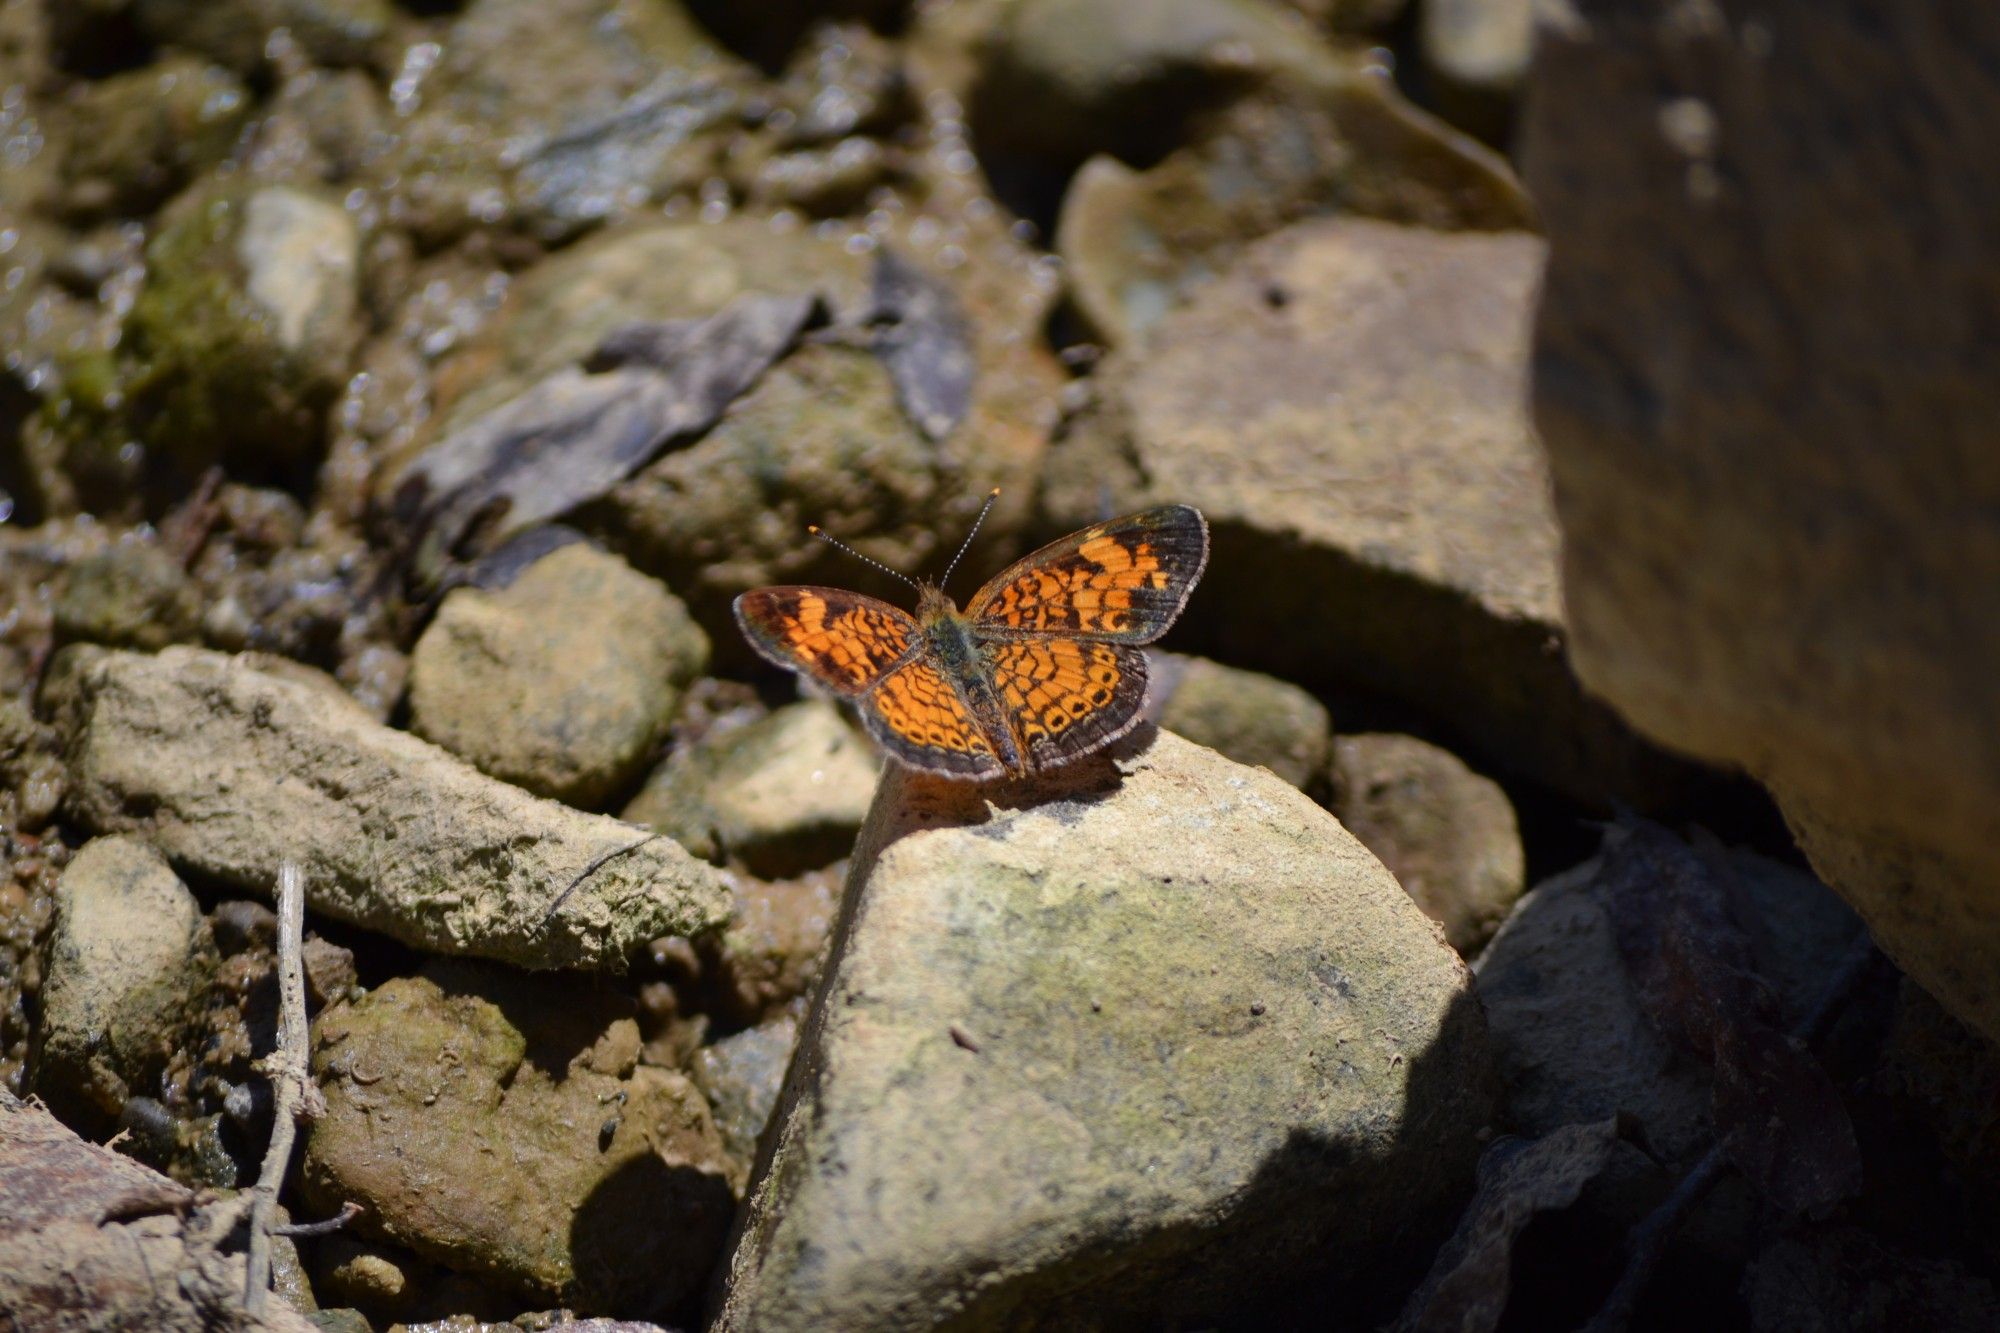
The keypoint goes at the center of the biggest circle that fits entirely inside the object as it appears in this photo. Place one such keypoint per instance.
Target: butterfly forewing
(1118, 582)
(843, 640)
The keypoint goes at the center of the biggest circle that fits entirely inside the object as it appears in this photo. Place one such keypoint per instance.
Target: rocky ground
(394, 398)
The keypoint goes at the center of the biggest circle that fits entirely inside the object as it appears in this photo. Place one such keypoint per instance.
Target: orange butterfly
(1040, 669)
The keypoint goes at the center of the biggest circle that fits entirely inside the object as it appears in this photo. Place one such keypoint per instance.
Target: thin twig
(293, 1094)
(326, 1227)
(1648, 1241)
(591, 869)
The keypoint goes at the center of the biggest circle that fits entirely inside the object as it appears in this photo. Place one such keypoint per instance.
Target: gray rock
(229, 771)
(557, 115)
(1248, 121)
(1252, 718)
(742, 1076)
(1347, 406)
(1774, 472)
(1077, 1033)
(781, 795)
(1447, 834)
(127, 957)
(132, 594)
(1572, 1044)
(564, 681)
(502, 1125)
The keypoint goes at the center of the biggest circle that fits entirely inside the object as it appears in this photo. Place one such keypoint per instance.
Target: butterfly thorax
(955, 649)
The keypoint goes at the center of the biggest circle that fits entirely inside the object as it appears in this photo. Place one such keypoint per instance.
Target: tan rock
(1347, 407)
(230, 771)
(1447, 834)
(501, 1124)
(1773, 447)
(1253, 718)
(127, 956)
(781, 795)
(562, 682)
(1155, 1007)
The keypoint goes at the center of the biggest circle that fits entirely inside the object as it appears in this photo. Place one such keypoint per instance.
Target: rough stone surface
(229, 771)
(1253, 718)
(781, 795)
(742, 1076)
(1771, 442)
(1246, 120)
(129, 595)
(1119, 1042)
(564, 681)
(127, 955)
(1572, 1044)
(501, 1124)
(1447, 834)
(1347, 407)
(138, 136)
(770, 953)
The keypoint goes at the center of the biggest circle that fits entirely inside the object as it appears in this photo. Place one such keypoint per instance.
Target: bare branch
(326, 1227)
(293, 1093)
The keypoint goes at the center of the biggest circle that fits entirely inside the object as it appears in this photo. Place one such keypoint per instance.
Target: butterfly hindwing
(916, 715)
(843, 640)
(1118, 582)
(1067, 697)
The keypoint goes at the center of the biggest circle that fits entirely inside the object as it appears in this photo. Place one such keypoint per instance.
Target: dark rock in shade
(1447, 834)
(1127, 1041)
(127, 958)
(781, 795)
(1252, 718)
(1771, 444)
(1572, 1043)
(1347, 406)
(564, 681)
(1202, 125)
(501, 1124)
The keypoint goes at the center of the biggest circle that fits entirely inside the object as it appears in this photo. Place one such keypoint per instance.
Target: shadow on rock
(647, 1196)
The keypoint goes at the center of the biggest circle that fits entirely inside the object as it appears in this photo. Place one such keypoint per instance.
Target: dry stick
(293, 1094)
(1648, 1241)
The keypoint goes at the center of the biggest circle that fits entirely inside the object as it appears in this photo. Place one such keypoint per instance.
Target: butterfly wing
(916, 715)
(1123, 581)
(843, 640)
(1067, 697)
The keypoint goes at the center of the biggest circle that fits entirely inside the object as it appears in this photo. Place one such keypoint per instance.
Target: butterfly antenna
(835, 542)
(966, 545)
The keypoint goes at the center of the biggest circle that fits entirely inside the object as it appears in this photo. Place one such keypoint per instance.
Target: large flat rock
(1107, 1046)
(1347, 405)
(1766, 374)
(230, 770)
